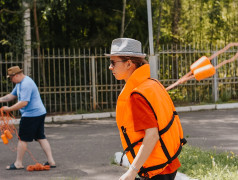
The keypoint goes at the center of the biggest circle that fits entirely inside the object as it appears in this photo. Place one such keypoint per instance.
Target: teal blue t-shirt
(27, 90)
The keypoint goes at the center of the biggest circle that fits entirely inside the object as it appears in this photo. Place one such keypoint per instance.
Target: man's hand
(129, 175)
(17, 106)
(6, 109)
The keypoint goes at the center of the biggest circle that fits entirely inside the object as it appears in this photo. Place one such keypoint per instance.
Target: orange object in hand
(203, 61)
(204, 72)
(8, 134)
(4, 139)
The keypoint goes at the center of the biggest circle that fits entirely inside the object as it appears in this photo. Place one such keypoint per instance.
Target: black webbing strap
(147, 102)
(121, 161)
(127, 149)
(183, 141)
(128, 142)
(165, 150)
(134, 144)
(152, 168)
(169, 124)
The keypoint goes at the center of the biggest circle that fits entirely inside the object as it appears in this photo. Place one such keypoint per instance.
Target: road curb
(63, 118)
(207, 107)
(71, 117)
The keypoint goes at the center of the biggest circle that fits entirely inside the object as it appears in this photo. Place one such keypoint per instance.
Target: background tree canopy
(94, 23)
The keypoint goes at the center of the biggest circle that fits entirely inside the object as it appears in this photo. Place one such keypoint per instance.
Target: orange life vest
(170, 131)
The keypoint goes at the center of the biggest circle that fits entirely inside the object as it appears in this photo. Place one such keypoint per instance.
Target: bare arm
(148, 144)
(7, 98)
(16, 106)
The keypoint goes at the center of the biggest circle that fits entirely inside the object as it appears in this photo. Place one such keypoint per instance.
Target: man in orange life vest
(150, 129)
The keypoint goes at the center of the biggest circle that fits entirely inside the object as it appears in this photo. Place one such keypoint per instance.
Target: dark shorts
(165, 176)
(32, 128)
(161, 177)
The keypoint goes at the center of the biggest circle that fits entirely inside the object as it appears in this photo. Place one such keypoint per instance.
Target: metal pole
(93, 83)
(215, 83)
(150, 27)
(152, 58)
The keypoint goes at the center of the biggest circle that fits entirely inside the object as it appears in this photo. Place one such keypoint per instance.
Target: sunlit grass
(208, 165)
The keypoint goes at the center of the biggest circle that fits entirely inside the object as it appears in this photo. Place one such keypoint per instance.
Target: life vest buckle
(123, 130)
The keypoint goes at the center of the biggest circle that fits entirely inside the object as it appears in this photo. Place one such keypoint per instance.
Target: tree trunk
(38, 45)
(176, 11)
(159, 23)
(37, 31)
(27, 38)
(123, 18)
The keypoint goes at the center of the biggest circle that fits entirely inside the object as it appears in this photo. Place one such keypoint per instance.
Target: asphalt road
(84, 149)
(217, 129)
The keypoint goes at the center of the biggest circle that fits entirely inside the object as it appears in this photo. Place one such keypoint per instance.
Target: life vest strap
(160, 166)
(171, 121)
(128, 142)
(123, 154)
(130, 146)
(127, 149)
(146, 101)
(183, 141)
(169, 124)
(165, 150)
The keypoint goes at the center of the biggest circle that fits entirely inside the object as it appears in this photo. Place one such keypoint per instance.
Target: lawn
(208, 165)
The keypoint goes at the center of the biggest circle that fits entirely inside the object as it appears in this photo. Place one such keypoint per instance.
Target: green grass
(208, 165)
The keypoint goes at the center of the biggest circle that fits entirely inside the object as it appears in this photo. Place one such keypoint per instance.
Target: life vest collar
(137, 77)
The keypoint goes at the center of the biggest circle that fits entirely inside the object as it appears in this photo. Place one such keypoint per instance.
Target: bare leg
(47, 149)
(21, 149)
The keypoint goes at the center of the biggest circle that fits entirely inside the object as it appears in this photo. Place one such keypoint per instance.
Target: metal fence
(78, 80)
(175, 61)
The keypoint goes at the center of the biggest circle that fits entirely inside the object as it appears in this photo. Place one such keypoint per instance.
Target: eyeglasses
(113, 63)
(11, 76)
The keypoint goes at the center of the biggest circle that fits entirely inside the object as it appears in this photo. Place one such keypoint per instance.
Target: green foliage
(207, 21)
(88, 23)
(11, 29)
(78, 23)
(209, 165)
(177, 95)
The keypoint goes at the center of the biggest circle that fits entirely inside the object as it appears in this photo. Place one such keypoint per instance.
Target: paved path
(84, 149)
(217, 129)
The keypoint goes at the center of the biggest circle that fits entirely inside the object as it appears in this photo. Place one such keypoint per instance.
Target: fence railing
(78, 80)
(175, 62)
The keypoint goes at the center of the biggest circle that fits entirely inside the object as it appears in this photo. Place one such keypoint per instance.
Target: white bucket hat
(126, 47)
